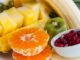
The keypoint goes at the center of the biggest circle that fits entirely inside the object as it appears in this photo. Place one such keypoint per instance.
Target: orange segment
(29, 41)
(44, 55)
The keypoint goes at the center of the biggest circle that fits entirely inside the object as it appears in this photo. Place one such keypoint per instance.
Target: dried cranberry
(77, 41)
(59, 44)
(78, 32)
(69, 39)
(66, 45)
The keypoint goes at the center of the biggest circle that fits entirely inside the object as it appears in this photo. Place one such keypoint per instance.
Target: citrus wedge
(29, 41)
(45, 55)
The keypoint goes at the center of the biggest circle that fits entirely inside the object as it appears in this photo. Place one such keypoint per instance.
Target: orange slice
(44, 55)
(29, 41)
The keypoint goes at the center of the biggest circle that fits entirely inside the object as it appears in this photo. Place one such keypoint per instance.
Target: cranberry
(77, 41)
(78, 32)
(59, 44)
(69, 39)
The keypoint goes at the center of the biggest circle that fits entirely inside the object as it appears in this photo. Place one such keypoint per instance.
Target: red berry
(69, 39)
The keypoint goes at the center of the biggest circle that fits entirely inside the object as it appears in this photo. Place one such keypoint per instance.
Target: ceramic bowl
(67, 52)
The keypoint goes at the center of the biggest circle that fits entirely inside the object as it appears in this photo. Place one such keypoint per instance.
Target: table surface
(7, 56)
(57, 57)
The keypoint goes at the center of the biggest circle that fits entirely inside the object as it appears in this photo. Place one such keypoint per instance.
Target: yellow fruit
(30, 15)
(43, 14)
(36, 9)
(4, 46)
(1, 29)
(39, 24)
(43, 18)
(7, 23)
(16, 16)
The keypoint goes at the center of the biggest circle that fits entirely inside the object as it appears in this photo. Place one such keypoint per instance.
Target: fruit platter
(39, 30)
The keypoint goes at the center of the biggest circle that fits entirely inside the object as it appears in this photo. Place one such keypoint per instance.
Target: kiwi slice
(55, 26)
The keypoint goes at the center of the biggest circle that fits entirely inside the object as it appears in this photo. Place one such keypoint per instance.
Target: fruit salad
(27, 27)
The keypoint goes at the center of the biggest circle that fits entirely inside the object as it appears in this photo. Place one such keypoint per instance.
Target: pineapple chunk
(7, 23)
(4, 45)
(38, 24)
(30, 15)
(1, 29)
(43, 18)
(43, 14)
(16, 16)
(36, 9)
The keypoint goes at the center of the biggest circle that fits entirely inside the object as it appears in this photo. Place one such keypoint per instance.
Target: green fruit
(55, 26)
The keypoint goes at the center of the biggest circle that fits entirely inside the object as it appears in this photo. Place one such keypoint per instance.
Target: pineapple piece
(7, 23)
(30, 15)
(16, 16)
(43, 14)
(1, 29)
(43, 18)
(38, 24)
(4, 45)
(36, 9)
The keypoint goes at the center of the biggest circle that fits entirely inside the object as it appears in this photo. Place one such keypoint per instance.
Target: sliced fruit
(16, 16)
(43, 17)
(45, 55)
(43, 13)
(1, 28)
(30, 15)
(39, 24)
(55, 26)
(36, 9)
(7, 23)
(4, 46)
(31, 41)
